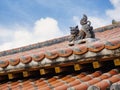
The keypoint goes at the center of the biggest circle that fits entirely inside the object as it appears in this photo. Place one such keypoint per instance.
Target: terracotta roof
(97, 80)
(54, 65)
(101, 32)
(57, 50)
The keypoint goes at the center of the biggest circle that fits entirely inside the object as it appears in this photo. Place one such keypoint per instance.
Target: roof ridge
(107, 27)
(33, 46)
(52, 41)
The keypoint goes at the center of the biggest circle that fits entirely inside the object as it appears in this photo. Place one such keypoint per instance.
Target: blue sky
(28, 11)
(24, 22)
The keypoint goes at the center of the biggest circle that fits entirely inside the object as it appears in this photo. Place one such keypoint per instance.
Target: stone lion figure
(76, 34)
(86, 27)
(85, 32)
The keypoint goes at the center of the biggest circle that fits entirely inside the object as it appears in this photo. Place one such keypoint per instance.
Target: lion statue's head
(74, 30)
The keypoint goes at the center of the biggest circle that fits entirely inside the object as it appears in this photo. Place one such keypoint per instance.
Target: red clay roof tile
(96, 47)
(102, 85)
(108, 44)
(14, 62)
(85, 85)
(80, 49)
(25, 59)
(4, 63)
(65, 52)
(38, 57)
(51, 54)
(96, 81)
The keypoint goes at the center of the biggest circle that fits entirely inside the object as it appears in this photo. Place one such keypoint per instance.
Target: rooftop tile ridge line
(107, 27)
(34, 46)
(51, 42)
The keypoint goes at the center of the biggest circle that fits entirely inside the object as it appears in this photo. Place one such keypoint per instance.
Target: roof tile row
(82, 81)
(104, 33)
(64, 52)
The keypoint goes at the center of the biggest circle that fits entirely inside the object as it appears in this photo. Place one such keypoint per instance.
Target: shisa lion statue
(80, 36)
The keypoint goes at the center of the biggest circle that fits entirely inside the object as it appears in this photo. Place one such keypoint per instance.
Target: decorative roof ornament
(80, 36)
(114, 22)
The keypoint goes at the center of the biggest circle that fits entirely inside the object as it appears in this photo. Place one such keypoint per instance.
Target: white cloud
(115, 12)
(14, 37)
(98, 22)
(4, 32)
(44, 29)
(110, 15)
(47, 28)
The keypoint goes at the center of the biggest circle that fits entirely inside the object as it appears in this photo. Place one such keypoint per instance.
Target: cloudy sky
(24, 22)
